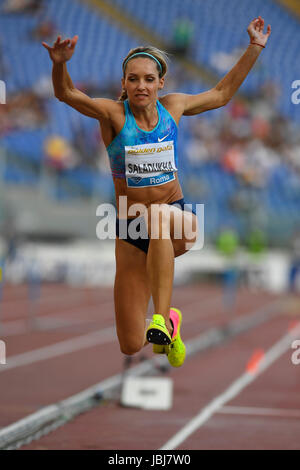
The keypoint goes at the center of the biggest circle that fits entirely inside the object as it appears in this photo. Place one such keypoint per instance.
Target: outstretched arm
(63, 86)
(233, 80)
(222, 93)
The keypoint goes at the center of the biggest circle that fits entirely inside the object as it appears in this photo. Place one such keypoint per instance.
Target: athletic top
(145, 158)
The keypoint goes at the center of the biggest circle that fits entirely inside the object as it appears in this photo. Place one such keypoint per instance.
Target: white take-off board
(150, 393)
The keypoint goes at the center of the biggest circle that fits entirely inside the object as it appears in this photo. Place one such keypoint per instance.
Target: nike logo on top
(163, 138)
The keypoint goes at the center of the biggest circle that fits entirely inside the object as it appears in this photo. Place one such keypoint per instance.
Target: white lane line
(49, 298)
(36, 420)
(235, 388)
(71, 308)
(34, 323)
(66, 407)
(26, 326)
(58, 349)
(253, 411)
(23, 325)
(107, 335)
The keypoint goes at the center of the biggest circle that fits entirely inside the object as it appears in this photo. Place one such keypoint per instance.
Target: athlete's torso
(143, 163)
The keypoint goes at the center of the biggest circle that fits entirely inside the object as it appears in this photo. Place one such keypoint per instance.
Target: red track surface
(27, 388)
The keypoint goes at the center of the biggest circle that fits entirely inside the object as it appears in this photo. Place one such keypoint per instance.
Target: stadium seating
(220, 26)
(97, 60)
(26, 62)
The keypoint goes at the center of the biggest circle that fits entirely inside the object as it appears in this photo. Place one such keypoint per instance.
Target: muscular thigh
(189, 233)
(131, 292)
(182, 226)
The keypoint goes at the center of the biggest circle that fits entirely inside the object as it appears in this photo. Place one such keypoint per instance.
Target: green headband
(143, 53)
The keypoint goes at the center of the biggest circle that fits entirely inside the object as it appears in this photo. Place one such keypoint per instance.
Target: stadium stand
(217, 32)
(235, 160)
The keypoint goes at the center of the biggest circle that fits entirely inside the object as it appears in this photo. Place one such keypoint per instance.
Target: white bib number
(149, 164)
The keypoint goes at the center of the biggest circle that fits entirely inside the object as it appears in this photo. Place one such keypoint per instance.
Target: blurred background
(241, 161)
(56, 277)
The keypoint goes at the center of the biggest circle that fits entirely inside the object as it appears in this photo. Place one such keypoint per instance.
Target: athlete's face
(142, 81)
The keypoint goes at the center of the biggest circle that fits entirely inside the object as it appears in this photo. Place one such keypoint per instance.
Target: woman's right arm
(65, 91)
(63, 86)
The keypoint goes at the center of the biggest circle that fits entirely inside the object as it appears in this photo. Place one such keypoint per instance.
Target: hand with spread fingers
(256, 32)
(61, 51)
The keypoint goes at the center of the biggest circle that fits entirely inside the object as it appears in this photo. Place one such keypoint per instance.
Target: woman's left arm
(222, 93)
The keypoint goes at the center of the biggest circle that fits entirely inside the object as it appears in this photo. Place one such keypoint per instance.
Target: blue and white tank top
(145, 158)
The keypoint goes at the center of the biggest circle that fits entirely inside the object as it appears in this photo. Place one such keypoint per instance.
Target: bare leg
(131, 294)
(163, 248)
(160, 267)
(137, 275)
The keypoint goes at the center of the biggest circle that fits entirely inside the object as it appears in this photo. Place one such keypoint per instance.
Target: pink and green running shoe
(163, 343)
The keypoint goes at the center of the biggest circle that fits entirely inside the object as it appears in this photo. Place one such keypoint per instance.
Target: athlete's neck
(147, 115)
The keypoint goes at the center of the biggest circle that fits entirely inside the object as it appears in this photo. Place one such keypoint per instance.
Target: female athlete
(140, 134)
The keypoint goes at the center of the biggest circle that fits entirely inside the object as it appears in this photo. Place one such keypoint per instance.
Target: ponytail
(123, 96)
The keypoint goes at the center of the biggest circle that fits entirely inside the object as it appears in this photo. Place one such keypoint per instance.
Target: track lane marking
(279, 348)
(256, 411)
(76, 404)
(20, 325)
(109, 335)
(17, 327)
(61, 348)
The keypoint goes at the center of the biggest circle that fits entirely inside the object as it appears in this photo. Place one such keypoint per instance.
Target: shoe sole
(158, 336)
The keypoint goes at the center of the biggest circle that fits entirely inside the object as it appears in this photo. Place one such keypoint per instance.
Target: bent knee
(131, 347)
(182, 246)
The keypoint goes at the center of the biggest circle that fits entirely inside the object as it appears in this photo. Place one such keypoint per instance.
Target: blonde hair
(159, 55)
